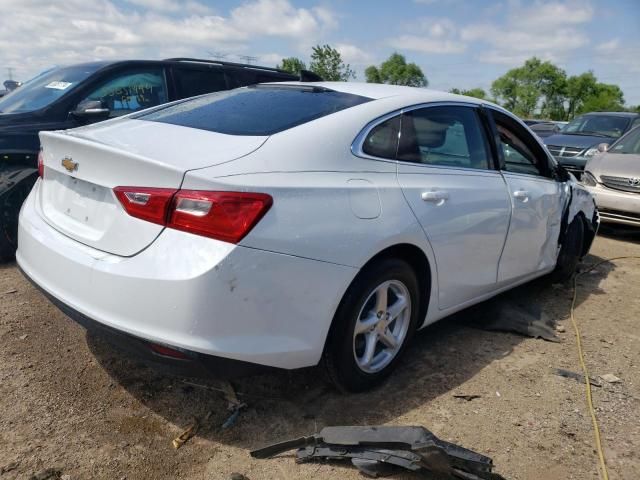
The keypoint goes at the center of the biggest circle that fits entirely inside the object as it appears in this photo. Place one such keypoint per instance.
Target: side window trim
(546, 168)
(493, 137)
(358, 142)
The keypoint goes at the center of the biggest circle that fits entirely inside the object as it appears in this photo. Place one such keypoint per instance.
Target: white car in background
(287, 225)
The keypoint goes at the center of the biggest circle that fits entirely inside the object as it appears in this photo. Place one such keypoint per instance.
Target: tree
(474, 92)
(579, 89)
(396, 71)
(536, 85)
(292, 65)
(606, 98)
(327, 62)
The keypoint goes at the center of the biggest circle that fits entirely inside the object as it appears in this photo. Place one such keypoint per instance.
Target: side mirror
(603, 147)
(91, 110)
(562, 173)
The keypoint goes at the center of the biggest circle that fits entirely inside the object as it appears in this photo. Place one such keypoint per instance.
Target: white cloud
(77, 30)
(430, 35)
(353, 55)
(610, 46)
(549, 30)
(427, 45)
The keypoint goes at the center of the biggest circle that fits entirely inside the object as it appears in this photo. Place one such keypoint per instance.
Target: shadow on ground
(620, 232)
(290, 404)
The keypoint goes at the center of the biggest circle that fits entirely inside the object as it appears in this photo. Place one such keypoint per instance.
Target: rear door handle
(435, 196)
(522, 195)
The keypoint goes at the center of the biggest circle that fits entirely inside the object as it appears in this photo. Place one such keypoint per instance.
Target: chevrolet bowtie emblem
(69, 164)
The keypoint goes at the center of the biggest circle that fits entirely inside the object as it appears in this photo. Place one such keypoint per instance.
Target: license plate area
(78, 206)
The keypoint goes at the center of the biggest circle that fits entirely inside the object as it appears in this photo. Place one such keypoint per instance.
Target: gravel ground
(70, 403)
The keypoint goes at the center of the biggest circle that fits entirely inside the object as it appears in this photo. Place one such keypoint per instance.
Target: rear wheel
(570, 252)
(376, 319)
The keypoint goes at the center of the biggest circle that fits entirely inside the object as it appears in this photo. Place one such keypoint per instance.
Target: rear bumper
(616, 206)
(192, 293)
(193, 365)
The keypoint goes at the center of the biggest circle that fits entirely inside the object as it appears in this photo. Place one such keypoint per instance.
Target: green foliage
(396, 71)
(327, 62)
(535, 85)
(542, 89)
(474, 92)
(292, 65)
(606, 98)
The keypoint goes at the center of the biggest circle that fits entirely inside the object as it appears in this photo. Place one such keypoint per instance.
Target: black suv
(68, 97)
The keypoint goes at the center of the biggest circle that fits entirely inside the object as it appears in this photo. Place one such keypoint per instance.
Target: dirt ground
(68, 402)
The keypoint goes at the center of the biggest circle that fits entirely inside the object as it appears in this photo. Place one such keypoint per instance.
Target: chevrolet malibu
(290, 225)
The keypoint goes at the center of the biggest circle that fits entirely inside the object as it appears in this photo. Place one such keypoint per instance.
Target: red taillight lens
(40, 164)
(226, 216)
(150, 204)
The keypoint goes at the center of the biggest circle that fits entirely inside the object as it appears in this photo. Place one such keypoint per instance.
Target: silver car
(613, 177)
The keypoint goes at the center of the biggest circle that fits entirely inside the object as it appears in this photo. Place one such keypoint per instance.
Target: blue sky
(458, 43)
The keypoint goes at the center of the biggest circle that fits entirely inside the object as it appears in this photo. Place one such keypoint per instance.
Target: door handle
(522, 195)
(435, 196)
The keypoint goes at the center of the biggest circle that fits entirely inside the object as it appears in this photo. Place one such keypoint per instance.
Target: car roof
(378, 91)
(614, 114)
(97, 65)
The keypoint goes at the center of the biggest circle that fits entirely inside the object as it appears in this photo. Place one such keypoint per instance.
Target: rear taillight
(226, 216)
(150, 204)
(40, 164)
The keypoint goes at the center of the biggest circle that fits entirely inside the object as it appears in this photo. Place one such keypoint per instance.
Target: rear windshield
(259, 110)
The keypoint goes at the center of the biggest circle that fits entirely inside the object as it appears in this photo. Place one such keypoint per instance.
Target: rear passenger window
(382, 141)
(443, 136)
(193, 82)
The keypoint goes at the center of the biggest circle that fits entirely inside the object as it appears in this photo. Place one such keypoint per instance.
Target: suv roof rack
(230, 64)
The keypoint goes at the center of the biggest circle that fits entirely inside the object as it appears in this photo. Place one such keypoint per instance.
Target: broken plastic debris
(191, 430)
(610, 378)
(374, 449)
(186, 435)
(576, 376)
(468, 398)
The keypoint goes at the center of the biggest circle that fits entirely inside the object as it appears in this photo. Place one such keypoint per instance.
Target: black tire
(570, 253)
(339, 354)
(9, 211)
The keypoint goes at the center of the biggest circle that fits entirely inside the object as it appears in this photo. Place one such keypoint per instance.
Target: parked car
(9, 86)
(613, 177)
(287, 225)
(545, 129)
(578, 141)
(72, 96)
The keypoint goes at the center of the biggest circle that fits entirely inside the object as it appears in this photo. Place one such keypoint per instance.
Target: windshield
(630, 143)
(599, 125)
(260, 110)
(45, 88)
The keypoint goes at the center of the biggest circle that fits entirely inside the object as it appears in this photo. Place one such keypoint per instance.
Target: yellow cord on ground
(592, 412)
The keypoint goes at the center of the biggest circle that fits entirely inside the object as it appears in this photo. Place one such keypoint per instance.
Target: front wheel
(374, 322)
(570, 252)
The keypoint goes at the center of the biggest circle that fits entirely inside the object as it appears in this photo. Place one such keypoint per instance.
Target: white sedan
(290, 225)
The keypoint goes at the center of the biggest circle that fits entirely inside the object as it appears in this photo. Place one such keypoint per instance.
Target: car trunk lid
(82, 168)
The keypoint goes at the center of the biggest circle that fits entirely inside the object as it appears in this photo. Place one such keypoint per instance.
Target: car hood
(577, 141)
(615, 165)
